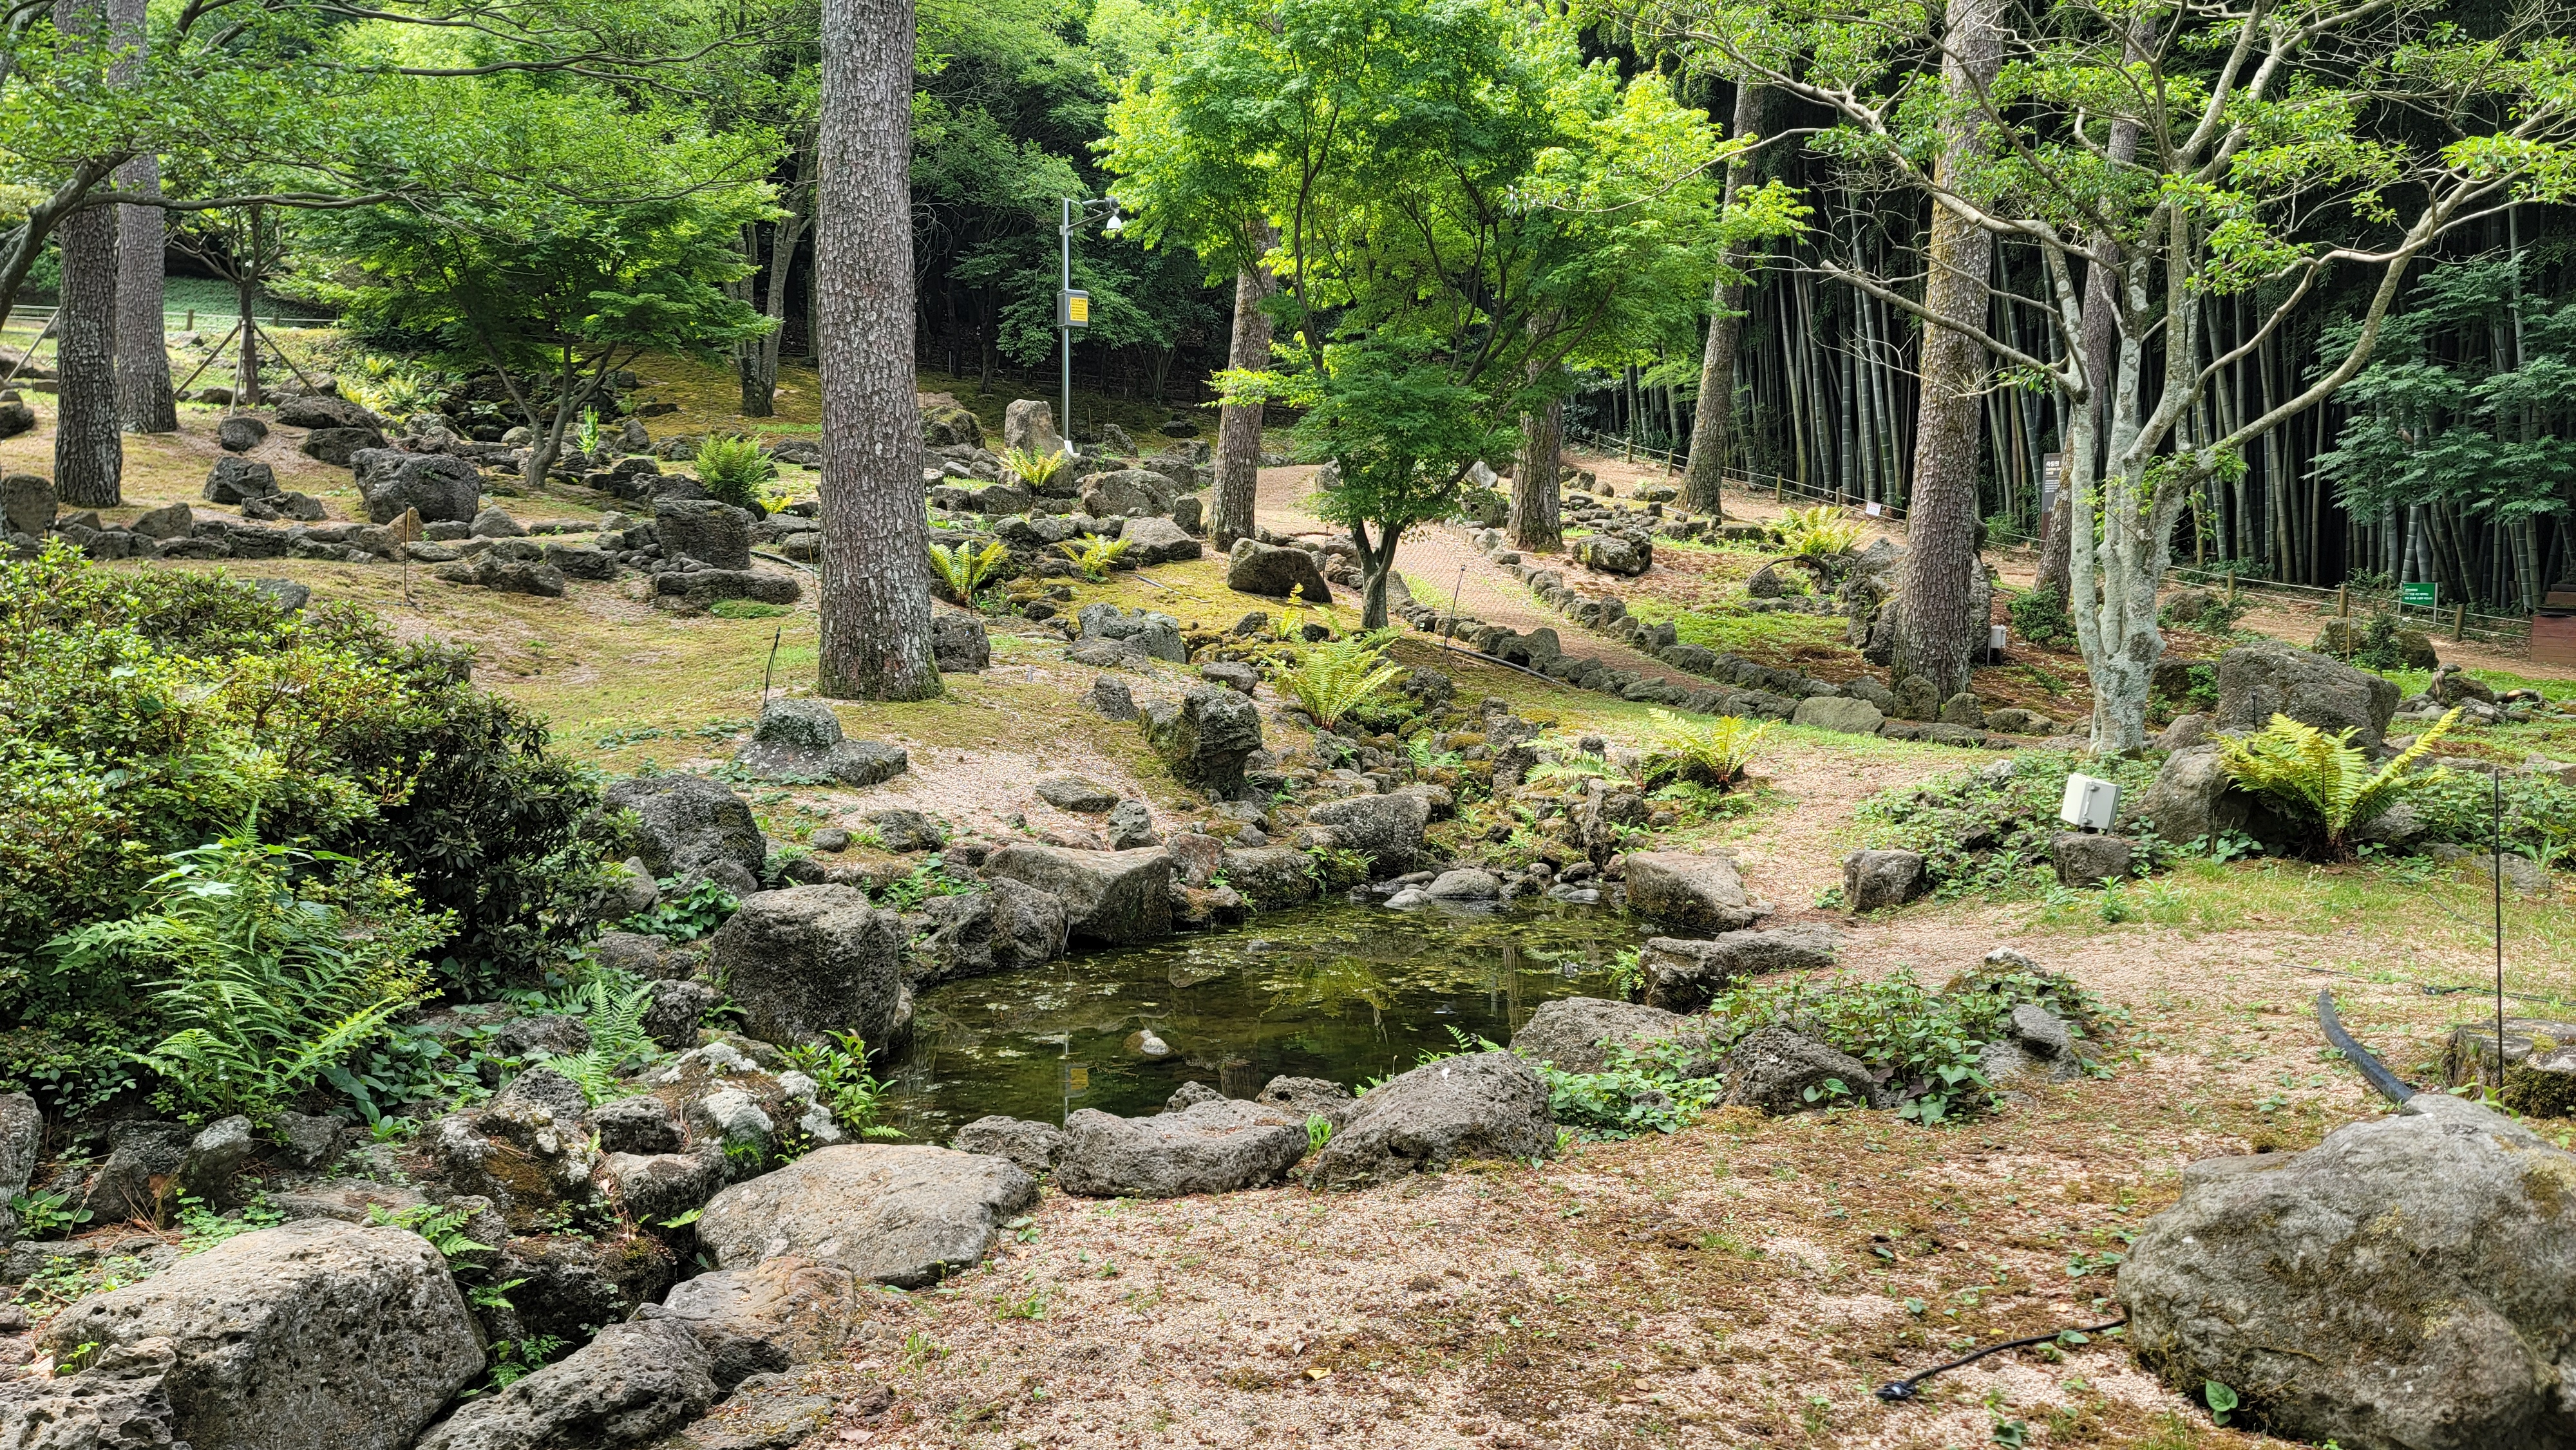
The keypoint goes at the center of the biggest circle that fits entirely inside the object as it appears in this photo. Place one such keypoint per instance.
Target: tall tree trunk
(246, 299)
(2101, 323)
(89, 451)
(875, 642)
(142, 356)
(1238, 427)
(1536, 521)
(1938, 629)
(1712, 425)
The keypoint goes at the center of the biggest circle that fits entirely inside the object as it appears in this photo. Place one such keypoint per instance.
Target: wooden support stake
(2460, 622)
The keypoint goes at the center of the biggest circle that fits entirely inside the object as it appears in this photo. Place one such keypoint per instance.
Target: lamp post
(1073, 309)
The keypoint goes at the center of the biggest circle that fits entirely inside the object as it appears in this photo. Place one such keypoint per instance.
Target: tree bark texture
(875, 638)
(1238, 429)
(1536, 520)
(89, 451)
(1713, 424)
(142, 355)
(1937, 628)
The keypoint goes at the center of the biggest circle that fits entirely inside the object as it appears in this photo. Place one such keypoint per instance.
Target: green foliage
(1700, 751)
(48, 1213)
(266, 980)
(1923, 1045)
(684, 915)
(391, 387)
(1330, 679)
(2039, 616)
(443, 1227)
(962, 570)
(1821, 532)
(1034, 469)
(734, 470)
(2459, 806)
(1991, 835)
(1094, 555)
(1336, 868)
(839, 1067)
(1319, 1131)
(932, 877)
(2222, 1401)
(2322, 778)
(615, 1016)
(747, 609)
(1640, 1089)
(152, 712)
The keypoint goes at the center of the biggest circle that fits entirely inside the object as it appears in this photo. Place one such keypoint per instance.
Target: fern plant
(1706, 752)
(1094, 555)
(2322, 778)
(965, 568)
(733, 470)
(617, 1037)
(264, 981)
(586, 436)
(1330, 679)
(1822, 532)
(1033, 468)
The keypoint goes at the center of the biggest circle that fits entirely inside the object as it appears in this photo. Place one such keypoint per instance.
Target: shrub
(1990, 833)
(964, 569)
(839, 1068)
(1329, 680)
(1702, 752)
(2039, 616)
(1821, 532)
(1033, 468)
(265, 980)
(733, 470)
(144, 714)
(2321, 778)
(1094, 555)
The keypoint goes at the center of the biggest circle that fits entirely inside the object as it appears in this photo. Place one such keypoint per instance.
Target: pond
(1342, 992)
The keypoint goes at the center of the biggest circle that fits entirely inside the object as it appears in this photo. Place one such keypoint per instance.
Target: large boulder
(1872, 879)
(1030, 924)
(442, 487)
(315, 1335)
(1837, 712)
(140, 1177)
(959, 643)
(2404, 1285)
(2193, 797)
(1575, 1034)
(1034, 1147)
(1483, 1105)
(1112, 897)
(1614, 554)
(899, 1215)
(1028, 425)
(2258, 681)
(1274, 571)
(815, 959)
(1682, 976)
(693, 824)
(1270, 877)
(1385, 828)
(1205, 738)
(1130, 493)
(28, 502)
(630, 1386)
(766, 1317)
(712, 533)
(1783, 1071)
(236, 481)
(321, 410)
(1157, 634)
(1157, 541)
(1704, 892)
(119, 1401)
(22, 1141)
(801, 740)
(1214, 1146)
(339, 446)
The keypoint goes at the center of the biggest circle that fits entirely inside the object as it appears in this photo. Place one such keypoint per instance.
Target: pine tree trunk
(1938, 629)
(89, 452)
(1712, 436)
(1238, 429)
(875, 638)
(1536, 522)
(142, 356)
(246, 299)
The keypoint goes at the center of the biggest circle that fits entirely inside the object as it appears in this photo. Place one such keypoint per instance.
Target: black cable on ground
(2389, 1084)
(1899, 1391)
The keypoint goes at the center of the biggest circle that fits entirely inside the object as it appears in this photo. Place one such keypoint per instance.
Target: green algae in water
(1342, 992)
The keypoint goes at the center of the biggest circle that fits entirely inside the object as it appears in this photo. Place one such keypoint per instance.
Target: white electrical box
(2090, 804)
(1996, 637)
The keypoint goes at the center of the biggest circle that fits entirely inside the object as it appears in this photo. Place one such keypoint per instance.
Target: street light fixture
(1073, 309)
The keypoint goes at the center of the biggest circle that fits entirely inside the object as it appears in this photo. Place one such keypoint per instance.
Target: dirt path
(1445, 571)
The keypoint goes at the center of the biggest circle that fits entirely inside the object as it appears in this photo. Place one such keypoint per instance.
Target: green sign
(2423, 595)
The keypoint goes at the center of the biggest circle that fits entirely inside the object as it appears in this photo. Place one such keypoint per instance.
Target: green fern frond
(1333, 678)
(965, 568)
(2322, 778)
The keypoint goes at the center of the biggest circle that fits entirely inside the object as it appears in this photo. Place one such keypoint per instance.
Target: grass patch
(1770, 638)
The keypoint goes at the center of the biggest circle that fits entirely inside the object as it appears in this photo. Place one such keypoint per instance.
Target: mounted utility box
(2090, 804)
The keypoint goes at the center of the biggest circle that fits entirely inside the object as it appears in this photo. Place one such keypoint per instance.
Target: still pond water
(1341, 992)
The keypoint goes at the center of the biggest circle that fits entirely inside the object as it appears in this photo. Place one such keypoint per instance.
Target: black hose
(2390, 1086)
(1899, 1391)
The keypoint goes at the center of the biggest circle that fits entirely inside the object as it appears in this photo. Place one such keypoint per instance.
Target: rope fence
(2455, 620)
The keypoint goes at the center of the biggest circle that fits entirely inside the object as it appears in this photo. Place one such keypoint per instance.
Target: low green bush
(2040, 617)
(733, 470)
(148, 713)
(1990, 833)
